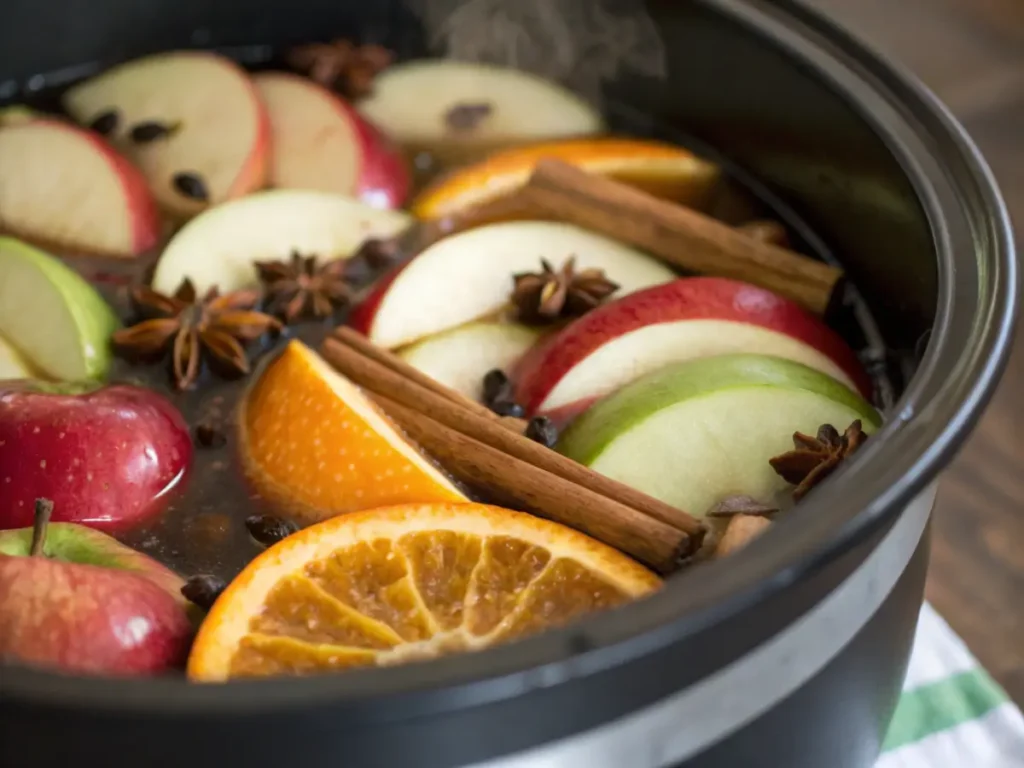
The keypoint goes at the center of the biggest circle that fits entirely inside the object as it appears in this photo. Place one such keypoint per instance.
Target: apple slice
(219, 247)
(13, 364)
(65, 187)
(468, 276)
(313, 444)
(460, 358)
(209, 120)
(660, 169)
(17, 114)
(322, 143)
(682, 320)
(47, 310)
(693, 433)
(457, 110)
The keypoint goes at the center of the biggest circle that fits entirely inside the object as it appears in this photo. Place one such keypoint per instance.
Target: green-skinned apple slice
(17, 114)
(53, 315)
(696, 432)
(219, 247)
(460, 358)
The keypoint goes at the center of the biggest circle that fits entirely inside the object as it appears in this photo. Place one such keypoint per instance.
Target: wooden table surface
(971, 53)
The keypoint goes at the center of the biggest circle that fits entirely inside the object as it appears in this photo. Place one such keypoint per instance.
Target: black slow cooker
(791, 653)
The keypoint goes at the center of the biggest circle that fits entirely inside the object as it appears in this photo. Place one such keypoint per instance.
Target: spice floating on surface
(212, 329)
(268, 529)
(203, 590)
(497, 386)
(542, 430)
(302, 287)
(151, 130)
(550, 295)
(342, 65)
(467, 117)
(815, 458)
(741, 505)
(191, 185)
(209, 436)
(105, 123)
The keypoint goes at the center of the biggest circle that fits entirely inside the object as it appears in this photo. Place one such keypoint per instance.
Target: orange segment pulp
(662, 169)
(312, 443)
(408, 582)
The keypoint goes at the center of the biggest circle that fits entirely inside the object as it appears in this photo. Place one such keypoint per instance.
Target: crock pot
(789, 654)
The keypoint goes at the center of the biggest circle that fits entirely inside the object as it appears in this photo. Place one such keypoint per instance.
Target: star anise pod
(815, 458)
(342, 65)
(213, 329)
(301, 287)
(546, 296)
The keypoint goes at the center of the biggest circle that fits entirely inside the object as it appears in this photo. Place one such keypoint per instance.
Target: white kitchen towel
(952, 714)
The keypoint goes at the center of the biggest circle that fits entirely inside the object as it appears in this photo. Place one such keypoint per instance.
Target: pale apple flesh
(461, 357)
(51, 314)
(13, 364)
(220, 131)
(219, 247)
(696, 432)
(321, 143)
(469, 275)
(64, 186)
(683, 320)
(411, 102)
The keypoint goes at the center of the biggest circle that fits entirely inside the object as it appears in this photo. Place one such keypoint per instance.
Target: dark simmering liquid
(203, 528)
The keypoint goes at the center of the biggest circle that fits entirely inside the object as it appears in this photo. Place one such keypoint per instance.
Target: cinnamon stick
(676, 234)
(394, 363)
(517, 483)
(378, 379)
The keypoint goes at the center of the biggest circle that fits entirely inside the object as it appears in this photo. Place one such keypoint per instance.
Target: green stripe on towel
(942, 705)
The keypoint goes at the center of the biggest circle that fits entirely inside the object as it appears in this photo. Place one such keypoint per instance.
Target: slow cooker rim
(765, 567)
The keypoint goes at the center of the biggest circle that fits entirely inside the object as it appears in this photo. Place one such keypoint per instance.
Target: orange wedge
(313, 444)
(662, 169)
(404, 583)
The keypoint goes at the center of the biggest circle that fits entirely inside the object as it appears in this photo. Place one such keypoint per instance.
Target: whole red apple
(78, 617)
(106, 457)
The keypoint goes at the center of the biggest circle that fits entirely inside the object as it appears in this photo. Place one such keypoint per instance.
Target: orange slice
(403, 583)
(662, 169)
(312, 443)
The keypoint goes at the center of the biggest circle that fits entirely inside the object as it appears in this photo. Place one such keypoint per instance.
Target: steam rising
(582, 44)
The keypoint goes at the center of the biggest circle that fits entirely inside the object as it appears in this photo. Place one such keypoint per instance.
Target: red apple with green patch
(76, 600)
(107, 457)
(686, 319)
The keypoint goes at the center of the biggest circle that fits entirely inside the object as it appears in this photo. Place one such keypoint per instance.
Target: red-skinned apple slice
(218, 127)
(413, 103)
(66, 187)
(468, 276)
(322, 143)
(219, 247)
(686, 319)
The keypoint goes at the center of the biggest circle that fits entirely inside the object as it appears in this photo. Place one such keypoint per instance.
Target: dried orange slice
(403, 583)
(662, 169)
(313, 444)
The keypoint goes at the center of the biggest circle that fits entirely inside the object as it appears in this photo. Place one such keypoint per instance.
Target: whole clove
(151, 130)
(268, 529)
(542, 430)
(105, 123)
(191, 185)
(203, 590)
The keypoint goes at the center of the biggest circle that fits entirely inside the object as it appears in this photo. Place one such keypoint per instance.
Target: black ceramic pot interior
(802, 143)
